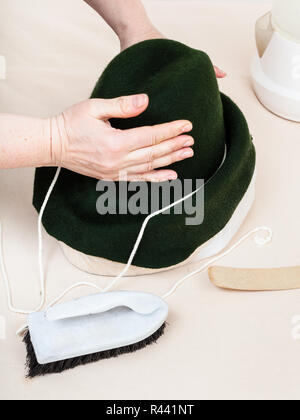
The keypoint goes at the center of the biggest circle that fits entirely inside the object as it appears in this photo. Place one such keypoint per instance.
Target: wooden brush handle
(255, 279)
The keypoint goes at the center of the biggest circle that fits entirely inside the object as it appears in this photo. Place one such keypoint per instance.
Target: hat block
(181, 84)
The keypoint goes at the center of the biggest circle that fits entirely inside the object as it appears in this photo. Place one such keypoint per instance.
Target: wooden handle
(287, 278)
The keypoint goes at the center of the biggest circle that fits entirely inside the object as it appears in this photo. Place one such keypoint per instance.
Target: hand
(131, 37)
(220, 73)
(129, 20)
(83, 141)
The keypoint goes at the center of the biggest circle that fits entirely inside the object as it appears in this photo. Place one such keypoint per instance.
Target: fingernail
(188, 153)
(189, 143)
(188, 127)
(139, 100)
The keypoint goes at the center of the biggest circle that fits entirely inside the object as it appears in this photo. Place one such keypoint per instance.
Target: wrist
(42, 157)
(24, 142)
(56, 140)
(130, 36)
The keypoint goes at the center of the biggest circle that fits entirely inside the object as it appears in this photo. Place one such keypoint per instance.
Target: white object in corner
(286, 17)
(276, 69)
(2, 67)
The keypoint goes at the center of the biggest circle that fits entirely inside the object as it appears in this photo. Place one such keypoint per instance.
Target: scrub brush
(36, 369)
(92, 328)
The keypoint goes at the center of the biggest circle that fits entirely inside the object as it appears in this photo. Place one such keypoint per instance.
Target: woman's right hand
(83, 141)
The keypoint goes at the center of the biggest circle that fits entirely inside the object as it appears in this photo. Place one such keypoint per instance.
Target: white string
(262, 241)
(132, 255)
(40, 240)
(147, 220)
(40, 257)
(141, 235)
(259, 241)
(81, 284)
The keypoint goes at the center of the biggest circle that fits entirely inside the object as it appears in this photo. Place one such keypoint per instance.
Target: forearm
(123, 16)
(24, 142)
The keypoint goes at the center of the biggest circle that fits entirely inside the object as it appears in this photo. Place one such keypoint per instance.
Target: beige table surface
(219, 345)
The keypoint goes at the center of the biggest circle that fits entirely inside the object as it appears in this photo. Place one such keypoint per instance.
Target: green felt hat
(181, 84)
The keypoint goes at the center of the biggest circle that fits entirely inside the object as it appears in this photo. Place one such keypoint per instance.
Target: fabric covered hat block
(181, 84)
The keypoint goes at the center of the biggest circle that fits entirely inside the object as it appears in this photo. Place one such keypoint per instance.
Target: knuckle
(154, 137)
(150, 159)
(93, 105)
(143, 168)
(115, 146)
(122, 104)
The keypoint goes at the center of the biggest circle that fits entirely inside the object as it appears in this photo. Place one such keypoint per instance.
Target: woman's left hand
(131, 38)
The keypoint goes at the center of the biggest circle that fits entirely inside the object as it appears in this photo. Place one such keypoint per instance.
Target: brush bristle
(35, 369)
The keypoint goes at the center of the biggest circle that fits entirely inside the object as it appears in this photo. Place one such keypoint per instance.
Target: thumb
(123, 107)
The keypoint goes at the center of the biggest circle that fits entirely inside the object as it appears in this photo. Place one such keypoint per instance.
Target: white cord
(40, 247)
(40, 240)
(141, 235)
(132, 255)
(262, 241)
(259, 241)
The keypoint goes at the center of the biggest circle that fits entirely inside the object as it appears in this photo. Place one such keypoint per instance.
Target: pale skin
(82, 140)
